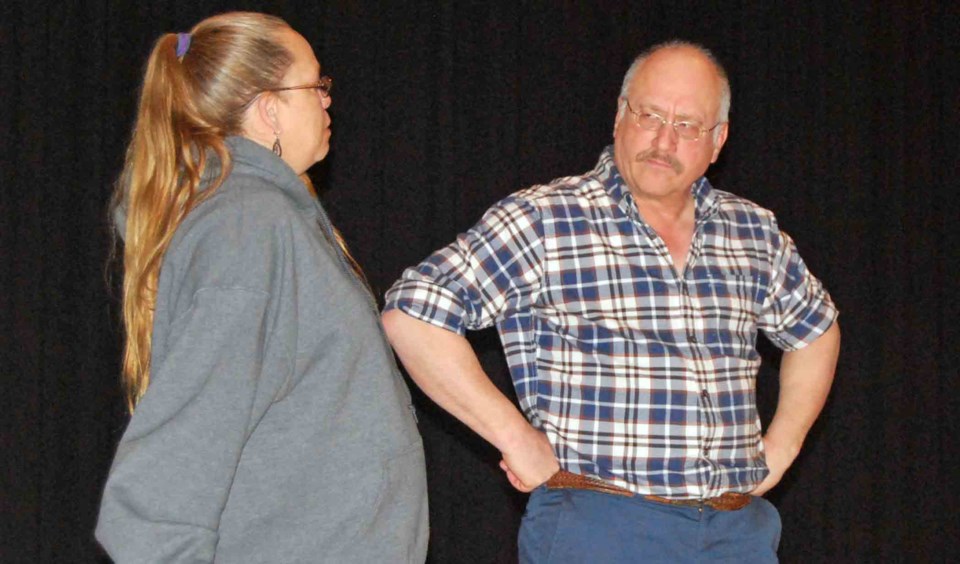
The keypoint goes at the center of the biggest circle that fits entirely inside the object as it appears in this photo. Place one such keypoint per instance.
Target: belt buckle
(729, 501)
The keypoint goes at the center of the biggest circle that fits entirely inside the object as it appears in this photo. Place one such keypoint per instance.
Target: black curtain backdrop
(844, 122)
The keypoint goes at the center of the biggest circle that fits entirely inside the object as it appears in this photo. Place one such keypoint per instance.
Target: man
(628, 301)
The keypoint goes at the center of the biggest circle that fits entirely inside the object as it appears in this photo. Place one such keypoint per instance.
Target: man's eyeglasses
(324, 85)
(686, 130)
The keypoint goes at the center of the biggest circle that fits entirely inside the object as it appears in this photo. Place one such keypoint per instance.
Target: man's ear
(621, 109)
(721, 139)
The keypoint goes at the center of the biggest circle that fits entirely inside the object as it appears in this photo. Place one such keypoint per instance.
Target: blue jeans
(567, 526)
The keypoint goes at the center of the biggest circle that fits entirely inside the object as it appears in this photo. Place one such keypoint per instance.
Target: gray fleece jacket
(276, 427)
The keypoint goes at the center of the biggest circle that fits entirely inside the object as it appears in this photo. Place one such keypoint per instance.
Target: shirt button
(693, 338)
(704, 394)
(706, 451)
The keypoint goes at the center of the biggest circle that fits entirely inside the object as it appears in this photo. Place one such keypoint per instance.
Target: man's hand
(778, 460)
(530, 462)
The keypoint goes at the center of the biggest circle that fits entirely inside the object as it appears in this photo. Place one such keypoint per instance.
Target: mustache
(662, 157)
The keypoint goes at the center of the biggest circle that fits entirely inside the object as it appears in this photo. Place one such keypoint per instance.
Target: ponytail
(194, 94)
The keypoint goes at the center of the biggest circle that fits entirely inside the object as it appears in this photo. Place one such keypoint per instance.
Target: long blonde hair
(187, 106)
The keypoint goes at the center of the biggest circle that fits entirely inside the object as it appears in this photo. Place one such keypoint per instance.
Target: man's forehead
(677, 63)
(675, 74)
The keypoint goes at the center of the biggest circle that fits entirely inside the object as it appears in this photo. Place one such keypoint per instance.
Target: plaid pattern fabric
(637, 375)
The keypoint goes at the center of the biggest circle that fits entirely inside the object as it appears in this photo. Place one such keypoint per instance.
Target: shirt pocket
(728, 299)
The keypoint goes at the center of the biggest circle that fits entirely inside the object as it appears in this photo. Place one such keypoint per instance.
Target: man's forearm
(806, 376)
(445, 367)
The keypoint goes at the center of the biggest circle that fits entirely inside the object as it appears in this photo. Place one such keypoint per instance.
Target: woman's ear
(266, 106)
(260, 121)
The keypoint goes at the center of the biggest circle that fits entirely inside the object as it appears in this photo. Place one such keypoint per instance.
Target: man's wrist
(782, 447)
(517, 437)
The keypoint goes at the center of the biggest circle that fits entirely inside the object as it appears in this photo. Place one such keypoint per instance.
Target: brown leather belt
(730, 501)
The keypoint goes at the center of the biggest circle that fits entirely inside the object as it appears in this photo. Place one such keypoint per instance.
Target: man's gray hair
(724, 113)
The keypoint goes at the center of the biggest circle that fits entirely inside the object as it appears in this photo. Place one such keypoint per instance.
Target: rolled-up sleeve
(487, 274)
(797, 308)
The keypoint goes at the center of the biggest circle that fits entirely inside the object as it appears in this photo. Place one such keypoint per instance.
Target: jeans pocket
(540, 524)
(771, 521)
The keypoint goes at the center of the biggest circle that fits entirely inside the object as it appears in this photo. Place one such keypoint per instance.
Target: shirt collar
(608, 174)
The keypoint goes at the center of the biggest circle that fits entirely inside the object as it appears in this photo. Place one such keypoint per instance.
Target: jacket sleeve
(175, 463)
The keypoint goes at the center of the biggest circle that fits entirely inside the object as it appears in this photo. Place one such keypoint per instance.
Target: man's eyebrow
(677, 117)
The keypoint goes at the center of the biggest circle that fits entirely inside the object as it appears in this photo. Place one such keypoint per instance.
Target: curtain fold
(844, 123)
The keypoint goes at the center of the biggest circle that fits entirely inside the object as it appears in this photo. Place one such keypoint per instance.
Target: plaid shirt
(637, 376)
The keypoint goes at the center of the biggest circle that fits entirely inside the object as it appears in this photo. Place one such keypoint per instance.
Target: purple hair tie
(183, 44)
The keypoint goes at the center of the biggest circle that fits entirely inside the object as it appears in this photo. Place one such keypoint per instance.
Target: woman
(269, 421)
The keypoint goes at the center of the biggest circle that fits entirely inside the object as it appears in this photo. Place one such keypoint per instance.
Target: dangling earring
(277, 149)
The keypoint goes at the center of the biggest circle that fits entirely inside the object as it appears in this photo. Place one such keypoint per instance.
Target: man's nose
(666, 137)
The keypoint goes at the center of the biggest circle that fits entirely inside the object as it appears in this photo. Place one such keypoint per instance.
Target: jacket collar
(251, 158)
